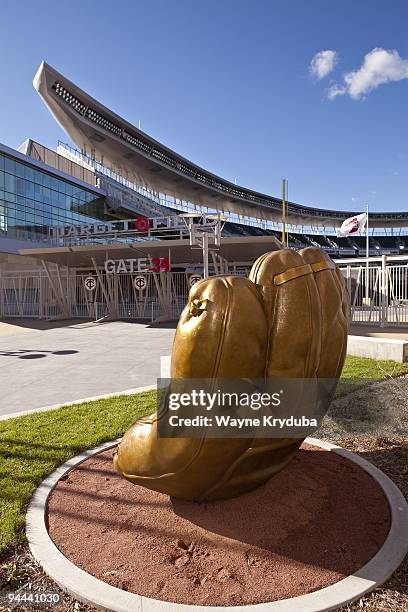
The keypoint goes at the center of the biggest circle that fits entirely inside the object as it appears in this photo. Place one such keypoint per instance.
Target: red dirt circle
(314, 523)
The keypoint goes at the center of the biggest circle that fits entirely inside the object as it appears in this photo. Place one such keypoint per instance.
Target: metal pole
(367, 256)
(348, 277)
(205, 254)
(384, 292)
(283, 212)
(286, 203)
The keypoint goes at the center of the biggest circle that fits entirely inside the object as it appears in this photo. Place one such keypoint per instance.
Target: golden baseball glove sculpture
(289, 319)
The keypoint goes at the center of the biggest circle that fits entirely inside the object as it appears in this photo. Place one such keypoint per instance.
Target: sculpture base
(319, 520)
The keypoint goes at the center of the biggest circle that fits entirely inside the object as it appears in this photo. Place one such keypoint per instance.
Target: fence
(58, 295)
(379, 293)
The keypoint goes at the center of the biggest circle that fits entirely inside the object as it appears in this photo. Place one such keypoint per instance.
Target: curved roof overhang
(236, 249)
(120, 145)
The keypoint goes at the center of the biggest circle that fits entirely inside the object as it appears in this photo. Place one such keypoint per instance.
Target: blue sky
(227, 84)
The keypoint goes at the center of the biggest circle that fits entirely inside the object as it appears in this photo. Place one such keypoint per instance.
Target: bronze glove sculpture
(289, 319)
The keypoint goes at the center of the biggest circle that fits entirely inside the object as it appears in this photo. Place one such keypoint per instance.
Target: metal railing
(379, 293)
(379, 290)
(35, 295)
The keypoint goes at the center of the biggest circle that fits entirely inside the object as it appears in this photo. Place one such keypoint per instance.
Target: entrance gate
(45, 296)
(379, 293)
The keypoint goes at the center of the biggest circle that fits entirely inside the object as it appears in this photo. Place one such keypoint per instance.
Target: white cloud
(379, 66)
(336, 90)
(323, 63)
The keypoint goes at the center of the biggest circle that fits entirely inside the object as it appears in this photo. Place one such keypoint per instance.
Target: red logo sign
(141, 224)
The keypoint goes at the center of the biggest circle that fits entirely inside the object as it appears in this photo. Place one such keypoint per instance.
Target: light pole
(200, 233)
(284, 196)
(367, 256)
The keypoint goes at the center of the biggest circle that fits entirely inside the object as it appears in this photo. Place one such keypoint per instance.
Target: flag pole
(286, 215)
(367, 256)
(284, 212)
(284, 196)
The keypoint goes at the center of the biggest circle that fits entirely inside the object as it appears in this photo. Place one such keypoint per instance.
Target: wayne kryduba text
(228, 421)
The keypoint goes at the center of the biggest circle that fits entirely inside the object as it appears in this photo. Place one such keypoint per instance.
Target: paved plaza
(374, 331)
(46, 363)
(43, 364)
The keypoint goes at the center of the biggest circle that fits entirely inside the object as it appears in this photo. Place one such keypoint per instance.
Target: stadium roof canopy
(98, 131)
(236, 249)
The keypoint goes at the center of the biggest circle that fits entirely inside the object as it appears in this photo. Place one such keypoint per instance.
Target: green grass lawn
(32, 446)
(360, 367)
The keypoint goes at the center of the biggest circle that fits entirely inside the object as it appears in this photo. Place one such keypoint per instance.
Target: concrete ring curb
(93, 591)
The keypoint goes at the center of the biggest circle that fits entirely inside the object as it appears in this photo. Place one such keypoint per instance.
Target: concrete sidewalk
(10, 327)
(74, 360)
(374, 331)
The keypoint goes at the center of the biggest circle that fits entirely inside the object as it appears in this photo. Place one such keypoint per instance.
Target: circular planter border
(91, 590)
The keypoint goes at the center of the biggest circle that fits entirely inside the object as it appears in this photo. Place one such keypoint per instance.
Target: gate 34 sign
(139, 264)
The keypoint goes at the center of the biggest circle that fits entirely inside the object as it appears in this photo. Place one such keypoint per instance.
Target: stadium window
(10, 183)
(38, 177)
(9, 165)
(28, 173)
(47, 180)
(19, 170)
(29, 189)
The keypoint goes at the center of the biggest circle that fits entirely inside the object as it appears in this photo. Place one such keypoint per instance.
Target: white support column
(2, 292)
(57, 290)
(17, 296)
(205, 255)
(215, 264)
(41, 293)
(64, 294)
(384, 292)
(348, 279)
(161, 293)
(107, 291)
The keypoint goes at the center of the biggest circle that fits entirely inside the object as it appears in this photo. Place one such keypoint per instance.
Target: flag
(352, 225)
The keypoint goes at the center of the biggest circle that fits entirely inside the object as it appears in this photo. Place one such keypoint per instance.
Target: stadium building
(121, 225)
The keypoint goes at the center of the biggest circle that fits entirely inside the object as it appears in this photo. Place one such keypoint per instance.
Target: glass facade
(33, 200)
